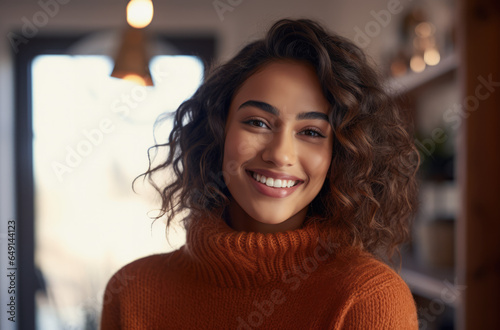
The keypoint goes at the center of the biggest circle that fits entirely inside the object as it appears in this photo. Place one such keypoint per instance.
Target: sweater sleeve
(126, 291)
(387, 305)
(110, 316)
(116, 295)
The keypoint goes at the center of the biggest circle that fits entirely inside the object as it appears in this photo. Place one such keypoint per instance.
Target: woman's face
(278, 147)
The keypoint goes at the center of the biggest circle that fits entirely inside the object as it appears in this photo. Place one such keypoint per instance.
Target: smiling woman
(295, 178)
(278, 139)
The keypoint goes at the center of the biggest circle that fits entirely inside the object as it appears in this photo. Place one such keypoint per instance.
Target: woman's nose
(281, 149)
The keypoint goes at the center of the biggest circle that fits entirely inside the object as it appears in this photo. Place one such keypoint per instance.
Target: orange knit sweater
(223, 279)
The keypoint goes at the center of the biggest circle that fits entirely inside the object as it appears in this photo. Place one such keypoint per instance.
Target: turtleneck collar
(228, 258)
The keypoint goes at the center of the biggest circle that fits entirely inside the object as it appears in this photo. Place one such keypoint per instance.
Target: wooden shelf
(412, 81)
(432, 283)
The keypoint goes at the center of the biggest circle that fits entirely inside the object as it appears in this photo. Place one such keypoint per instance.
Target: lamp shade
(132, 59)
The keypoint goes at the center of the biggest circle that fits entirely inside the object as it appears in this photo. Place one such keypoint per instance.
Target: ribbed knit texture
(222, 279)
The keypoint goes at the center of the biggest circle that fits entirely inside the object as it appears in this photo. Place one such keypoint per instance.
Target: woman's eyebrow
(261, 105)
(274, 111)
(313, 115)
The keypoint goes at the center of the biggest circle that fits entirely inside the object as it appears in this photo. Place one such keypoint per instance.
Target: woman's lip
(272, 191)
(270, 174)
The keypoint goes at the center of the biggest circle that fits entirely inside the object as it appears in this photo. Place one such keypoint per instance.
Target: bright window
(91, 134)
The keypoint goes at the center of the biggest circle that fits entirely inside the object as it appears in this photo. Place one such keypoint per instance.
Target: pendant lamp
(132, 59)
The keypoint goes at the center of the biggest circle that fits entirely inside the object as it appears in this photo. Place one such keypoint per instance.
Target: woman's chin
(265, 217)
(268, 215)
(279, 221)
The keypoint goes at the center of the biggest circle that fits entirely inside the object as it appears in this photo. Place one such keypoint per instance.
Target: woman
(294, 174)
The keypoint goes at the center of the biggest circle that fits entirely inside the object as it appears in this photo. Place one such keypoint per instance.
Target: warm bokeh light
(424, 30)
(424, 43)
(139, 13)
(431, 56)
(135, 79)
(417, 63)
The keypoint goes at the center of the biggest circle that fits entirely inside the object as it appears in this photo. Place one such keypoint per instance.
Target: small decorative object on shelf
(425, 38)
(411, 80)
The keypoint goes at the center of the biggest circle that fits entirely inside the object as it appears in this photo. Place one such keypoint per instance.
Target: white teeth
(275, 183)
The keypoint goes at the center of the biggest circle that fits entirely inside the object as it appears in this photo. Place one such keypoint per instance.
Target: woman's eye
(312, 133)
(256, 123)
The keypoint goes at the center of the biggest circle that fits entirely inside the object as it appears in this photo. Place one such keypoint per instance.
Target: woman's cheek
(248, 144)
(246, 147)
(236, 149)
(230, 168)
(316, 162)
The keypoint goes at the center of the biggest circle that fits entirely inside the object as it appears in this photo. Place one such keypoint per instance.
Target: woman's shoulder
(374, 293)
(143, 269)
(133, 284)
(363, 272)
(148, 263)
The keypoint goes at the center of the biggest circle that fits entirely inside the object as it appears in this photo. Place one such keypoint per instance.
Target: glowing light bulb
(135, 79)
(431, 56)
(417, 63)
(139, 13)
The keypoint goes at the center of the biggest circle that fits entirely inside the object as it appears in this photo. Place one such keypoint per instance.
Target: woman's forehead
(286, 85)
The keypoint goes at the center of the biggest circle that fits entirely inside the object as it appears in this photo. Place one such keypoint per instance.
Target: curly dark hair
(371, 185)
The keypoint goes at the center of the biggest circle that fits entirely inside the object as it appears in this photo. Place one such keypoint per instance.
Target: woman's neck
(239, 220)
